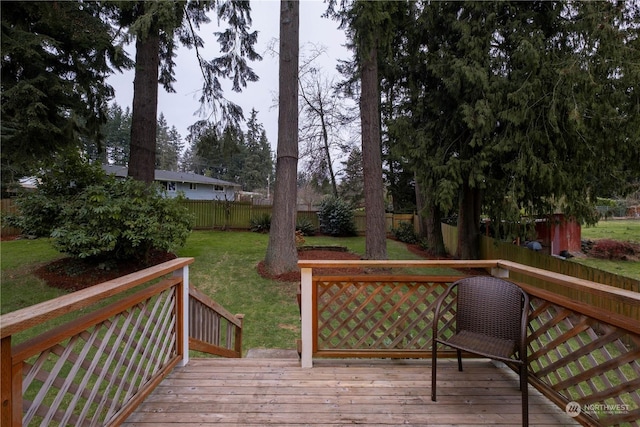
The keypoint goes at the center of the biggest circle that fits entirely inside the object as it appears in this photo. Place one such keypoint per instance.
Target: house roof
(162, 175)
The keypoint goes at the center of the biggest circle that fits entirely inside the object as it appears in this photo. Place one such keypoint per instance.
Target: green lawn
(224, 268)
(627, 230)
(617, 229)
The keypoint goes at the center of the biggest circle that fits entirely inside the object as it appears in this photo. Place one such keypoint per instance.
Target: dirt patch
(73, 274)
(426, 254)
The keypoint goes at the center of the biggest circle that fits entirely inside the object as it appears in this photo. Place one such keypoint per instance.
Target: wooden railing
(577, 353)
(212, 329)
(96, 368)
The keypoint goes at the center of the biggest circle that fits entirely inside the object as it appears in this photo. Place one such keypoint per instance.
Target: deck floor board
(278, 392)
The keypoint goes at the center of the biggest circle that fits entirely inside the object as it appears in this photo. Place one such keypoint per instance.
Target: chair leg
(434, 361)
(524, 388)
(459, 360)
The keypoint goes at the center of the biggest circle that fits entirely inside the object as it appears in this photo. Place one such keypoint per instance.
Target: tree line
(229, 154)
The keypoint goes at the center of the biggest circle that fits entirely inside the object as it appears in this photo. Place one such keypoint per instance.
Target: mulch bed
(73, 274)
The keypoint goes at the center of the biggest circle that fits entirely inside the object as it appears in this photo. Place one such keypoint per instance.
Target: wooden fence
(223, 215)
(7, 206)
(211, 215)
(494, 249)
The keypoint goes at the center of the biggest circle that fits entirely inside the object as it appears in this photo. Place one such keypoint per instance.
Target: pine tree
(55, 59)
(158, 27)
(169, 146)
(117, 135)
(258, 164)
(282, 255)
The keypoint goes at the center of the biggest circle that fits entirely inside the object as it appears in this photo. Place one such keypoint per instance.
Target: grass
(627, 230)
(224, 268)
(19, 288)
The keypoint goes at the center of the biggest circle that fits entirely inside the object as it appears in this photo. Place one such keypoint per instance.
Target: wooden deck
(263, 392)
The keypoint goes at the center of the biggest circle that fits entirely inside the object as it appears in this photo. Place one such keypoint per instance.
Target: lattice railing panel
(585, 361)
(376, 316)
(87, 377)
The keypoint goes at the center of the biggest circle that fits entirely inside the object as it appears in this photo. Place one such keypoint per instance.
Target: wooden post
(238, 336)
(500, 272)
(183, 313)
(306, 316)
(6, 381)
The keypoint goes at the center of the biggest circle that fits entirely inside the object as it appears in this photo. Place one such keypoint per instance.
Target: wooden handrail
(205, 299)
(20, 320)
(397, 263)
(629, 297)
(98, 366)
(111, 358)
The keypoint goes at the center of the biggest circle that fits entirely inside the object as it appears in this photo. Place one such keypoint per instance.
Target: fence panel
(8, 206)
(450, 237)
(225, 215)
(494, 249)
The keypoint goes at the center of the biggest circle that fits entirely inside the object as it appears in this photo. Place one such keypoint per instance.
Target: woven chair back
(490, 306)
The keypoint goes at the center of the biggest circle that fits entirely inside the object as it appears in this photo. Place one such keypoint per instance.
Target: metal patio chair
(491, 317)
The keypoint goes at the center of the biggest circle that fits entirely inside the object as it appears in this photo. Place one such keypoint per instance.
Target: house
(194, 186)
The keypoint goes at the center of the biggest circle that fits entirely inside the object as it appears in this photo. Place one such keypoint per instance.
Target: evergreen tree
(169, 146)
(235, 152)
(258, 164)
(369, 31)
(117, 135)
(351, 186)
(55, 59)
(512, 106)
(158, 26)
(282, 255)
(209, 155)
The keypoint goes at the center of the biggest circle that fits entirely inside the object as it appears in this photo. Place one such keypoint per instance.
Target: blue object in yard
(534, 246)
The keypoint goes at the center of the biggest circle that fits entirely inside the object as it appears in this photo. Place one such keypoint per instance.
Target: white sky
(180, 108)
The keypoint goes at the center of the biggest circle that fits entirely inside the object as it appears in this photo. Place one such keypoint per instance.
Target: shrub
(261, 223)
(121, 219)
(405, 233)
(336, 217)
(58, 184)
(90, 214)
(305, 227)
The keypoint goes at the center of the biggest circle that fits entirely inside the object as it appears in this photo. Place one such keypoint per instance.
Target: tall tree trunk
(376, 233)
(469, 222)
(142, 157)
(430, 217)
(281, 254)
